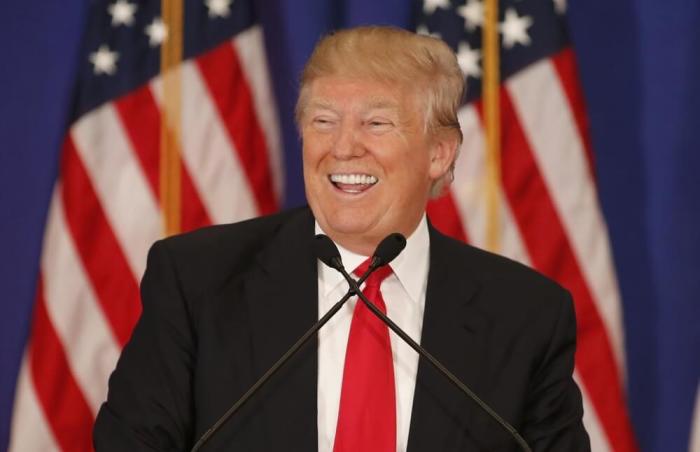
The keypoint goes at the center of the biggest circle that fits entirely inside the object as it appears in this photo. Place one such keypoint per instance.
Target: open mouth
(353, 182)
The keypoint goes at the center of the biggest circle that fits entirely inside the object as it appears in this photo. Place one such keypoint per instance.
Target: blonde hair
(394, 55)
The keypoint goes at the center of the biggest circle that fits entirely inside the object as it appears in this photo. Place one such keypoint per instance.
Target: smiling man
(379, 127)
(368, 161)
(377, 113)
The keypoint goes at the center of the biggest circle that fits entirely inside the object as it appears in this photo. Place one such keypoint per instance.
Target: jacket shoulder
(508, 284)
(488, 266)
(206, 258)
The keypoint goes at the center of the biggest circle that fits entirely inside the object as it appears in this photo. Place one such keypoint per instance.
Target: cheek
(310, 154)
(314, 149)
(309, 164)
(418, 165)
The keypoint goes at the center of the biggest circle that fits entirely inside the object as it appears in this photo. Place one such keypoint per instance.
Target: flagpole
(171, 124)
(491, 87)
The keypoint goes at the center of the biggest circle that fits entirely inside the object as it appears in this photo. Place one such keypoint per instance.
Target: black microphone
(393, 246)
(326, 251)
(390, 247)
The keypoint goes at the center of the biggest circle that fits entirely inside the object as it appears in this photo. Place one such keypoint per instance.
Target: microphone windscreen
(389, 248)
(326, 251)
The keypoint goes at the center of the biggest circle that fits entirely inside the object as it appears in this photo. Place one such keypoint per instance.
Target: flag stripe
(469, 167)
(250, 48)
(443, 214)
(694, 441)
(208, 153)
(231, 94)
(140, 116)
(67, 411)
(596, 434)
(551, 253)
(80, 323)
(102, 257)
(119, 184)
(548, 123)
(30, 430)
(468, 191)
(565, 64)
(194, 215)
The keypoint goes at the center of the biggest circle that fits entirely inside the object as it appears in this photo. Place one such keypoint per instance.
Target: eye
(379, 124)
(323, 122)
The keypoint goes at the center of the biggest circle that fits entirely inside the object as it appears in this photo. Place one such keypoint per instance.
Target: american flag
(550, 217)
(106, 208)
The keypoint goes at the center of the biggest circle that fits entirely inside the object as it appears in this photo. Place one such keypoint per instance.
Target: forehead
(335, 92)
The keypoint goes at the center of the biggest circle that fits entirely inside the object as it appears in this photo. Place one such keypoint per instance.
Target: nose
(347, 144)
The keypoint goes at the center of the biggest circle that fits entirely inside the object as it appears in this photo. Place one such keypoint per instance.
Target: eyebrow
(320, 103)
(378, 103)
(382, 103)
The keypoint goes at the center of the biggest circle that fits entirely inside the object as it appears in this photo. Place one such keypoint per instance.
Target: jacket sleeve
(149, 405)
(553, 418)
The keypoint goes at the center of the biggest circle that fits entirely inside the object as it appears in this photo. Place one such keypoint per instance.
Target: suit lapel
(451, 332)
(283, 305)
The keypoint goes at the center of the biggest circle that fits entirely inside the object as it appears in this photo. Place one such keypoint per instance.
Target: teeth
(353, 179)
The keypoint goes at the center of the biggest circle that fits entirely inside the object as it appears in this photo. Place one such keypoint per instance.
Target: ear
(442, 154)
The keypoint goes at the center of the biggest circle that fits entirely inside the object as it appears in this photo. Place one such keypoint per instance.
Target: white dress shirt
(404, 296)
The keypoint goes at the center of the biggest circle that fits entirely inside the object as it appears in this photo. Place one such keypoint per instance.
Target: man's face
(368, 161)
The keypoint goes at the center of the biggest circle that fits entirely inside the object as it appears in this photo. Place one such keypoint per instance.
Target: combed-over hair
(393, 55)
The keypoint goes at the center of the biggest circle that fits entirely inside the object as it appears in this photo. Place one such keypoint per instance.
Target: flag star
(423, 30)
(514, 29)
(468, 60)
(560, 6)
(429, 6)
(219, 8)
(157, 32)
(122, 12)
(473, 14)
(104, 61)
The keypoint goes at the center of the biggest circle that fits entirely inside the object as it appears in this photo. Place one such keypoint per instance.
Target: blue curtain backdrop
(640, 66)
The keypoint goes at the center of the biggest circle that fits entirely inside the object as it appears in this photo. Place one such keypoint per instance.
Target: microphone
(326, 251)
(387, 250)
(390, 247)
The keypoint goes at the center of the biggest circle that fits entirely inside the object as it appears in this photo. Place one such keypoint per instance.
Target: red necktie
(367, 412)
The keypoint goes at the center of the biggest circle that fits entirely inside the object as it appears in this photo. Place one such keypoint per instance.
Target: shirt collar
(410, 267)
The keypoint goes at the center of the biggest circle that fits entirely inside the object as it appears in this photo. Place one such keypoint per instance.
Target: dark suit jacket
(222, 304)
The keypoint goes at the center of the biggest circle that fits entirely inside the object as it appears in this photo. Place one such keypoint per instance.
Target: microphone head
(326, 251)
(388, 249)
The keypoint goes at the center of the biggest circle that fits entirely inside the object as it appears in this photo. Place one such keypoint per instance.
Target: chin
(349, 222)
(355, 225)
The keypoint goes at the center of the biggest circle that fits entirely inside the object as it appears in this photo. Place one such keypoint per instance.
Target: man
(377, 115)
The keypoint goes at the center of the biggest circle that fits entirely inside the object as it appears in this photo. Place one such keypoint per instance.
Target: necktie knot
(377, 276)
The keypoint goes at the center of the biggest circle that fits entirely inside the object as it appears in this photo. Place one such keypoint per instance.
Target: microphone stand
(280, 362)
(355, 287)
